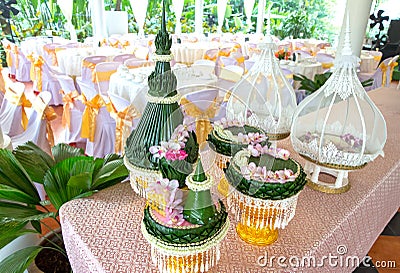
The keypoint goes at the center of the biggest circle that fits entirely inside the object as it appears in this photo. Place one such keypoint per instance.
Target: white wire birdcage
(268, 98)
(338, 128)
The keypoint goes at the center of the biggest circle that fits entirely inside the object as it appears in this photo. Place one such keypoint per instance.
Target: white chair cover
(22, 72)
(37, 127)
(104, 136)
(11, 113)
(123, 57)
(103, 72)
(72, 132)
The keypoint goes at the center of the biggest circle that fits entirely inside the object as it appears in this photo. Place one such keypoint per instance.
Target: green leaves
(20, 260)
(13, 174)
(10, 230)
(35, 161)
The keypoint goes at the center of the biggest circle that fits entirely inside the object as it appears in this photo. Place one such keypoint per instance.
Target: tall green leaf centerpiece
(160, 117)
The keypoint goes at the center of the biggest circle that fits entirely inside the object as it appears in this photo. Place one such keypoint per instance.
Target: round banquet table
(129, 86)
(368, 64)
(70, 59)
(102, 233)
(308, 69)
(188, 53)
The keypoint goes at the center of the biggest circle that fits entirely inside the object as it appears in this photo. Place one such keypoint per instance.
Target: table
(132, 87)
(308, 69)
(70, 59)
(102, 233)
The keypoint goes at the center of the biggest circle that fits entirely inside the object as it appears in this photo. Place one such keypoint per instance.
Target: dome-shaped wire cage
(338, 128)
(268, 98)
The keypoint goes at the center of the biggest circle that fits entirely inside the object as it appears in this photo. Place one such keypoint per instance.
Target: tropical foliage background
(302, 18)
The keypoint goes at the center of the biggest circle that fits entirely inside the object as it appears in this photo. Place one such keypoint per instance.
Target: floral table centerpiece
(186, 237)
(266, 184)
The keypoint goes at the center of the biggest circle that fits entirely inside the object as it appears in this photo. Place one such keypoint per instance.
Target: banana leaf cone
(199, 208)
(159, 119)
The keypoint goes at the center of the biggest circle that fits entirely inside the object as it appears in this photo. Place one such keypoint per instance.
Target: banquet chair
(383, 75)
(204, 68)
(211, 54)
(252, 49)
(88, 65)
(229, 76)
(126, 118)
(10, 57)
(3, 84)
(302, 54)
(200, 107)
(377, 57)
(98, 127)
(135, 63)
(50, 53)
(142, 52)
(23, 66)
(103, 72)
(123, 57)
(72, 111)
(44, 79)
(288, 74)
(223, 61)
(326, 61)
(39, 129)
(248, 64)
(15, 109)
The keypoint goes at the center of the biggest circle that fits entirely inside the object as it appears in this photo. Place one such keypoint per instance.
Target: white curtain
(248, 10)
(221, 13)
(139, 9)
(66, 9)
(260, 16)
(198, 16)
(98, 22)
(178, 8)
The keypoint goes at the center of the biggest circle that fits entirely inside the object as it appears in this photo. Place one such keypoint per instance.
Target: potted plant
(66, 174)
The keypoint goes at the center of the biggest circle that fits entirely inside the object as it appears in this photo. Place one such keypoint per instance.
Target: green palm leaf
(13, 174)
(10, 230)
(110, 174)
(13, 194)
(20, 212)
(20, 260)
(63, 151)
(35, 161)
(56, 179)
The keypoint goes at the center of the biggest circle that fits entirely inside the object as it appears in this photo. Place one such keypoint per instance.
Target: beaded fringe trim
(163, 100)
(140, 178)
(261, 213)
(190, 258)
(162, 58)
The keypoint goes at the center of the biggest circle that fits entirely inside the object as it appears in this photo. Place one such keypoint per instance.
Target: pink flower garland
(172, 149)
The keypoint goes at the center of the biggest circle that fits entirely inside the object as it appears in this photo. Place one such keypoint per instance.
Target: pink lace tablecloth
(102, 233)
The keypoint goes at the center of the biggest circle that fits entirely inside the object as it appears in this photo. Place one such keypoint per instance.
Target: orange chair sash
(89, 115)
(8, 55)
(384, 69)
(49, 114)
(16, 58)
(36, 70)
(326, 65)
(69, 103)
(19, 100)
(203, 124)
(124, 123)
(103, 76)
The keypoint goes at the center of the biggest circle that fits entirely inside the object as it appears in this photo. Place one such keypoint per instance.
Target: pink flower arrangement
(251, 138)
(351, 140)
(252, 171)
(258, 150)
(224, 123)
(172, 149)
(170, 192)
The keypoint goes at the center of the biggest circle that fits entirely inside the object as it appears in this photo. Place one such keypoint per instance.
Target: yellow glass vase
(256, 225)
